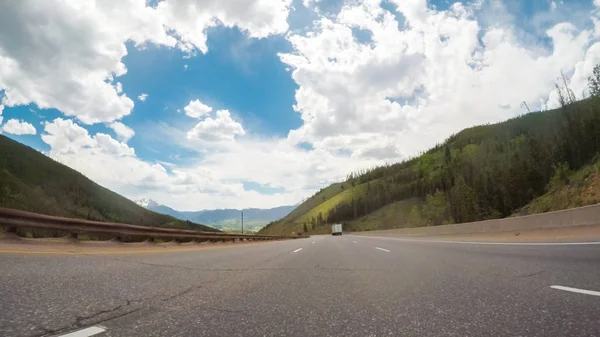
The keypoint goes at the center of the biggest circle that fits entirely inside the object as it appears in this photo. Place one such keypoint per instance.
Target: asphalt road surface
(320, 286)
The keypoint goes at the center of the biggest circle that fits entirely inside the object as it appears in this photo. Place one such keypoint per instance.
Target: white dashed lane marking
(297, 250)
(91, 331)
(577, 290)
(383, 249)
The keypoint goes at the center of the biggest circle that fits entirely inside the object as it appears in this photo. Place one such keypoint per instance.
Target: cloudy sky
(203, 104)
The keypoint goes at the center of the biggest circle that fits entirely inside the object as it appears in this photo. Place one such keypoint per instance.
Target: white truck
(336, 229)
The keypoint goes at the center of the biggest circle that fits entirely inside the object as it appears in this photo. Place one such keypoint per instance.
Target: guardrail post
(118, 238)
(74, 235)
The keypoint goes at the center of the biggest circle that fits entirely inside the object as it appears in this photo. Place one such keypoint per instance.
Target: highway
(321, 286)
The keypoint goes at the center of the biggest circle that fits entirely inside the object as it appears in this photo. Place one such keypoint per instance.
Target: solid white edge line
(297, 250)
(93, 330)
(493, 243)
(383, 249)
(576, 290)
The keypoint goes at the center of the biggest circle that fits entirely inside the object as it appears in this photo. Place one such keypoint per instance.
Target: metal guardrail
(13, 219)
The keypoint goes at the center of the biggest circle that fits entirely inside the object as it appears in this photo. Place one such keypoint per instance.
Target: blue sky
(238, 74)
(295, 103)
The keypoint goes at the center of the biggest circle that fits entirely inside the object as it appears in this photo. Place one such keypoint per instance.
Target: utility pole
(242, 222)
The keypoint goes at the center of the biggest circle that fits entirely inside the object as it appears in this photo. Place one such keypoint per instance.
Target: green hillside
(30, 181)
(537, 162)
(314, 201)
(568, 190)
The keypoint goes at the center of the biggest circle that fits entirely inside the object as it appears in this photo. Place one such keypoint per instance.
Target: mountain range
(225, 219)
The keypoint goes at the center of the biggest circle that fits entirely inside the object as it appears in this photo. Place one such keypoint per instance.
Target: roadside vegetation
(568, 189)
(537, 162)
(30, 181)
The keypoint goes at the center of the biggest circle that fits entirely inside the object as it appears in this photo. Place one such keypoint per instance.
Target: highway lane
(321, 286)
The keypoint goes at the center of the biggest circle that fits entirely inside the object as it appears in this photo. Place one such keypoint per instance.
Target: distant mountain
(146, 203)
(228, 219)
(158, 208)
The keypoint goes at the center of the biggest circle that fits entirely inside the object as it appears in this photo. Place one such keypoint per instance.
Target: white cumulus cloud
(142, 97)
(197, 109)
(123, 131)
(189, 19)
(410, 84)
(66, 54)
(17, 127)
(221, 128)
(308, 3)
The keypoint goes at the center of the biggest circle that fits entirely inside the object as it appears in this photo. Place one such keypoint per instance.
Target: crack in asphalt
(533, 274)
(79, 320)
(181, 293)
(110, 318)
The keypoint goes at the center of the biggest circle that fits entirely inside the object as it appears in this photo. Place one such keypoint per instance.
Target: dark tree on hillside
(594, 82)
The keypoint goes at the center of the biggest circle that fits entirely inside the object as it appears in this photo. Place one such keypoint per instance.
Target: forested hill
(484, 172)
(30, 181)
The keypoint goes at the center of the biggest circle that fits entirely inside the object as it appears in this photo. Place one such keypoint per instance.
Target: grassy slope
(394, 215)
(581, 189)
(314, 201)
(324, 207)
(33, 182)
